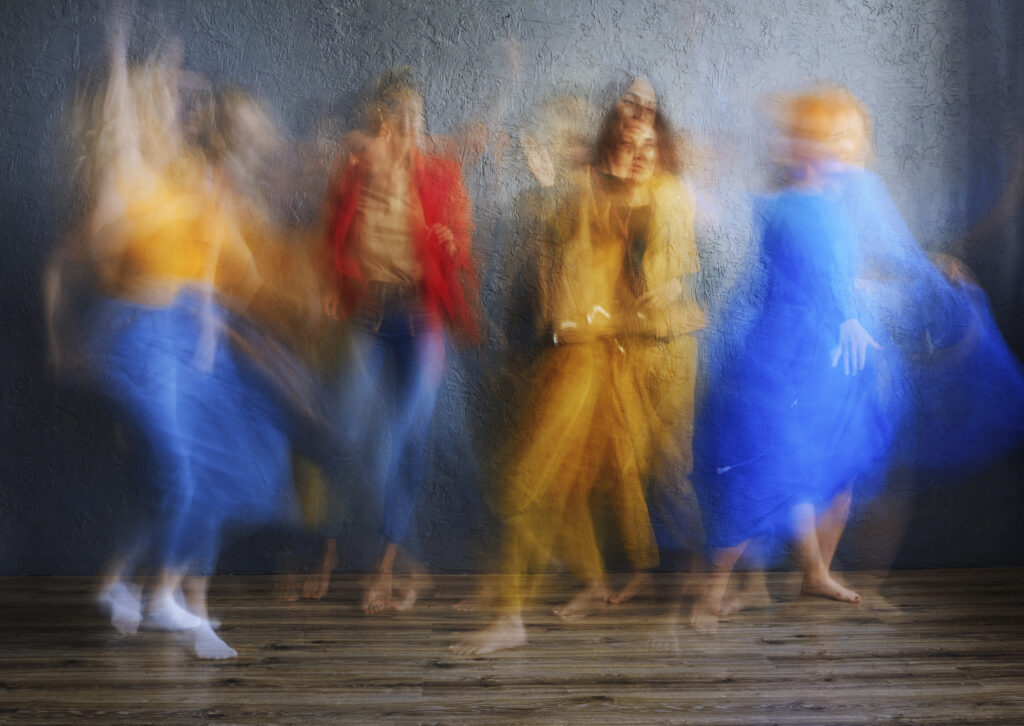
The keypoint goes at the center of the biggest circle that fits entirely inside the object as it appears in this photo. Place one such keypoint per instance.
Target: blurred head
(851, 135)
(393, 118)
(238, 134)
(640, 143)
(638, 104)
(617, 141)
(808, 123)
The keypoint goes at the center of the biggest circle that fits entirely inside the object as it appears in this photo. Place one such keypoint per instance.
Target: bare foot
(505, 633)
(593, 596)
(753, 594)
(377, 597)
(828, 588)
(418, 582)
(704, 618)
(287, 588)
(319, 583)
(637, 582)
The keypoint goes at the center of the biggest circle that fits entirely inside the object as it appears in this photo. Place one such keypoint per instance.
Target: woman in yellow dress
(619, 382)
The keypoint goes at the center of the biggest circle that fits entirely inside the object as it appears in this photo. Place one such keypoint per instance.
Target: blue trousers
(387, 395)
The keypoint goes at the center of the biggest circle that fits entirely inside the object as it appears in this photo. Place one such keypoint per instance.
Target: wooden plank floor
(942, 647)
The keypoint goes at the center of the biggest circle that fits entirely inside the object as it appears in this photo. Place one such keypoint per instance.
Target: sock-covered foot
(166, 614)
(208, 644)
(124, 605)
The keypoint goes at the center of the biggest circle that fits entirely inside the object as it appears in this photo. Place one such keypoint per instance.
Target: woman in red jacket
(398, 245)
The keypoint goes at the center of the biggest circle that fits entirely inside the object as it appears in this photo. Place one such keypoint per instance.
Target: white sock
(166, 614)
(209, 645)
(124, 605)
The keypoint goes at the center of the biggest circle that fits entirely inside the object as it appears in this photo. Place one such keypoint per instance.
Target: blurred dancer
(797, 417)
(966, 387)
(399, 260)
(623, 244)
(165, 234)
(947, 378)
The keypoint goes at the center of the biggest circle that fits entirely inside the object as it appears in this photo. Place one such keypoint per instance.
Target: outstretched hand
(854, 342)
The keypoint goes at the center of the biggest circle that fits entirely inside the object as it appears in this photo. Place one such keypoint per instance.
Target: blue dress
(217, 424)
(959, 386)
(780, 425)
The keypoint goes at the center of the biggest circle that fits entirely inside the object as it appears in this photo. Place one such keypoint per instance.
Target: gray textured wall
(941, 78)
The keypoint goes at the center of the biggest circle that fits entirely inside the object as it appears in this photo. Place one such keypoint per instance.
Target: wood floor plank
(935, 647)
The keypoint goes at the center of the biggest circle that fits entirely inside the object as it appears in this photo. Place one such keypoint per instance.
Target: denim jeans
(387, 396)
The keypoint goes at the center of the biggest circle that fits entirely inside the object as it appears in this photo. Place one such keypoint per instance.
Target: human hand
(443, 237)
(330, 302)
(854, 342)
(538, 160)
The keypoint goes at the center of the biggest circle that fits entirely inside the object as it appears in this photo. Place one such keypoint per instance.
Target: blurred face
(638, 104)
(847, 140)
(411, 122)
(643, 144)
(636, 155)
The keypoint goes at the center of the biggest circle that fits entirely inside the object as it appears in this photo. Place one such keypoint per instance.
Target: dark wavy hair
(667, 141)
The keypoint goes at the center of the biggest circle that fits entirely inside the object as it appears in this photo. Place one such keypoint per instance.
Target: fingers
(835, 355)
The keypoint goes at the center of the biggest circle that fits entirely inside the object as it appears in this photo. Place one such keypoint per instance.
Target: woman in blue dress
(211, 401)
(794, 417)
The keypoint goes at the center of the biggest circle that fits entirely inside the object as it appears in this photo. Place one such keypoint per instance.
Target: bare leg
(704, 616)
(831, 524)
(636, 583)
(752, 588)
(378, 595)
(752, 593)
(318, 583)
(415, 582)
(818, 580)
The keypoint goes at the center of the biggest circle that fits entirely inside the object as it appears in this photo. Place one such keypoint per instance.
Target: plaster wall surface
(941, 78)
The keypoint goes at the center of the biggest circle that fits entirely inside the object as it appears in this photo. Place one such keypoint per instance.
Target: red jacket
(438, 185)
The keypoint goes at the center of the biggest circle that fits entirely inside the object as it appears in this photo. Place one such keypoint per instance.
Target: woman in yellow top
(165, 235)
(619, 383)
